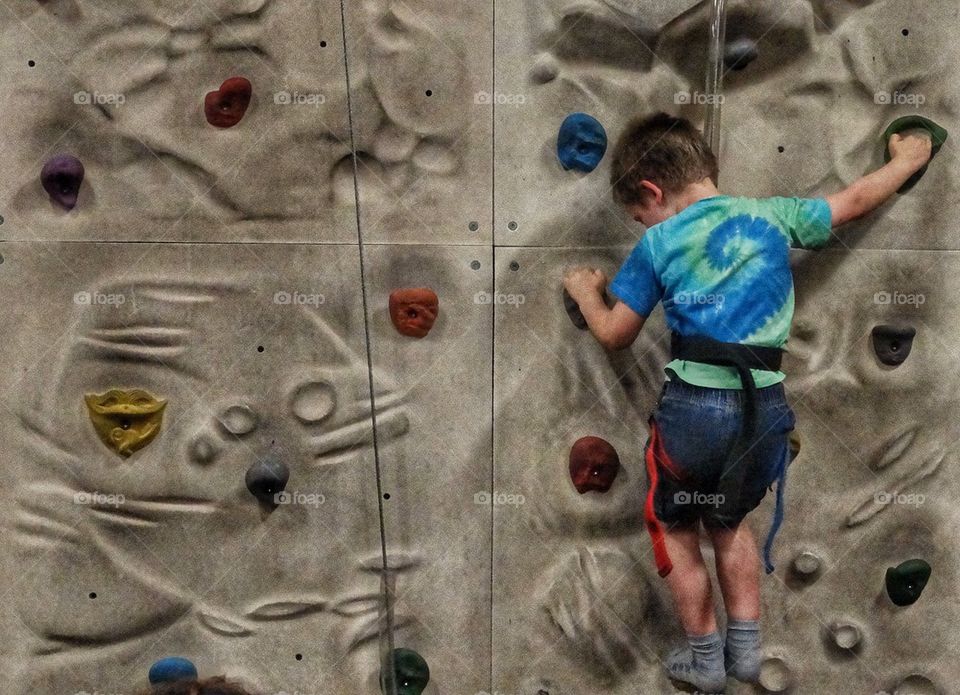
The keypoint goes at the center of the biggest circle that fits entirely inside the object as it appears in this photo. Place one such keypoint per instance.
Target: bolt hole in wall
(31, 63)
(429, 92)
(512, 226)
(323, 44)
(473, 226)
(475, 265)
(298, 657)
(93, 595)
(905, 32)
(259, 348)
(386, 495)
(514, 266)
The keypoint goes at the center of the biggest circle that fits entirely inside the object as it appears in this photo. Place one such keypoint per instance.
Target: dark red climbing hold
(906, 581)
(225, 107)
(414, 310)
(892, 343)
(594, 464)
(61, 177)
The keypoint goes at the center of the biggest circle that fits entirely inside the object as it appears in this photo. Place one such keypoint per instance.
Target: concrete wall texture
(217, 300)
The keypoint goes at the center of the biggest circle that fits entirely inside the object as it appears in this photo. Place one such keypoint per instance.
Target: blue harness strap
(778, 515)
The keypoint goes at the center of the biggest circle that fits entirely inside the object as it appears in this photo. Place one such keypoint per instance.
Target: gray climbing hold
(545, 69)
(806, 564)
(893, 343)
(61, 177)
(775, 675)
(266, 479)
(846, 635)
(906, 581)
(739, 53)
(239, 420)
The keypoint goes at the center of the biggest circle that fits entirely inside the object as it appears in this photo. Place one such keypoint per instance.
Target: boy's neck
(693, 193)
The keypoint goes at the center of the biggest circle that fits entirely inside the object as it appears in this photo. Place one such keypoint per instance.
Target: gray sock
(700, 664)
(742, 650)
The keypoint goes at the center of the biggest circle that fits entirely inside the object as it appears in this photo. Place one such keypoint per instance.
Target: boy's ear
(656, 192)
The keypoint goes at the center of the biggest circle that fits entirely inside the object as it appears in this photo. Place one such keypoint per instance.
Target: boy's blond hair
(663, 149)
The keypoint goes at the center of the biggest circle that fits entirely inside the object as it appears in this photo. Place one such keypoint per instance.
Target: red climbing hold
(413, 310)
(225, 107)
(593, 464)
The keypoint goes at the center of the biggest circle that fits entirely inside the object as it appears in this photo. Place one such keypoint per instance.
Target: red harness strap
(654, 454)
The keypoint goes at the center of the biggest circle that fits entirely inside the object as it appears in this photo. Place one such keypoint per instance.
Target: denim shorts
(697, 427)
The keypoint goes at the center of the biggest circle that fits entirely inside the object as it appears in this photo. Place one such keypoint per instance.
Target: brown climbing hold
(413, 310)
(594, 464)
(225, 107)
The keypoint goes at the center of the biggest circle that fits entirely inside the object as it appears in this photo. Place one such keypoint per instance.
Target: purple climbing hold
(61, 177)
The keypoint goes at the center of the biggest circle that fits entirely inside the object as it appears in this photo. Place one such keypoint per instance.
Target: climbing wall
(236, 430)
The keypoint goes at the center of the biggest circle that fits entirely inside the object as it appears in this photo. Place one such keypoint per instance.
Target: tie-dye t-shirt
(721, 267)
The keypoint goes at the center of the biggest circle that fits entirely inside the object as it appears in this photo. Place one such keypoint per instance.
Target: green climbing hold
(938, 136)
(410, 673)
(906, 581)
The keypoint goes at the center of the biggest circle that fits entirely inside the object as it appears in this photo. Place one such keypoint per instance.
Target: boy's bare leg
(738, 569)
(690, 582)
(700, 663)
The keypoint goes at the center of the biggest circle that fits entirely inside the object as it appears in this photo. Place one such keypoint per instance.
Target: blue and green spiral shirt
(721, 267)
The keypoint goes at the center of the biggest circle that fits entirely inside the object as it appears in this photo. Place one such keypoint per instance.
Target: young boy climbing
(719, 433)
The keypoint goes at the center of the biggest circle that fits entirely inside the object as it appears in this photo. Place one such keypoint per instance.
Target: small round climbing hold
(915, 684)
(581, 142)
(906, 581)
(414, 310)
(775, 675)
(739, 53)
(593, 464)
(225, 107)
(545, 69)
(239, 420)
(409, 675)
(806, 564)
(204, 449)
(313, 402)
(61, 177)
(172, 668)
(845, 635)
(266, 479)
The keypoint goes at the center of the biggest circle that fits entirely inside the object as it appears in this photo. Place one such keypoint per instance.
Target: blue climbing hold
(172, 668)
(581, 143)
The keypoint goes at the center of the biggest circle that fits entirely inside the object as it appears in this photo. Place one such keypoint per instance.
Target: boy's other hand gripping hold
(908, 154)
(614, 328)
